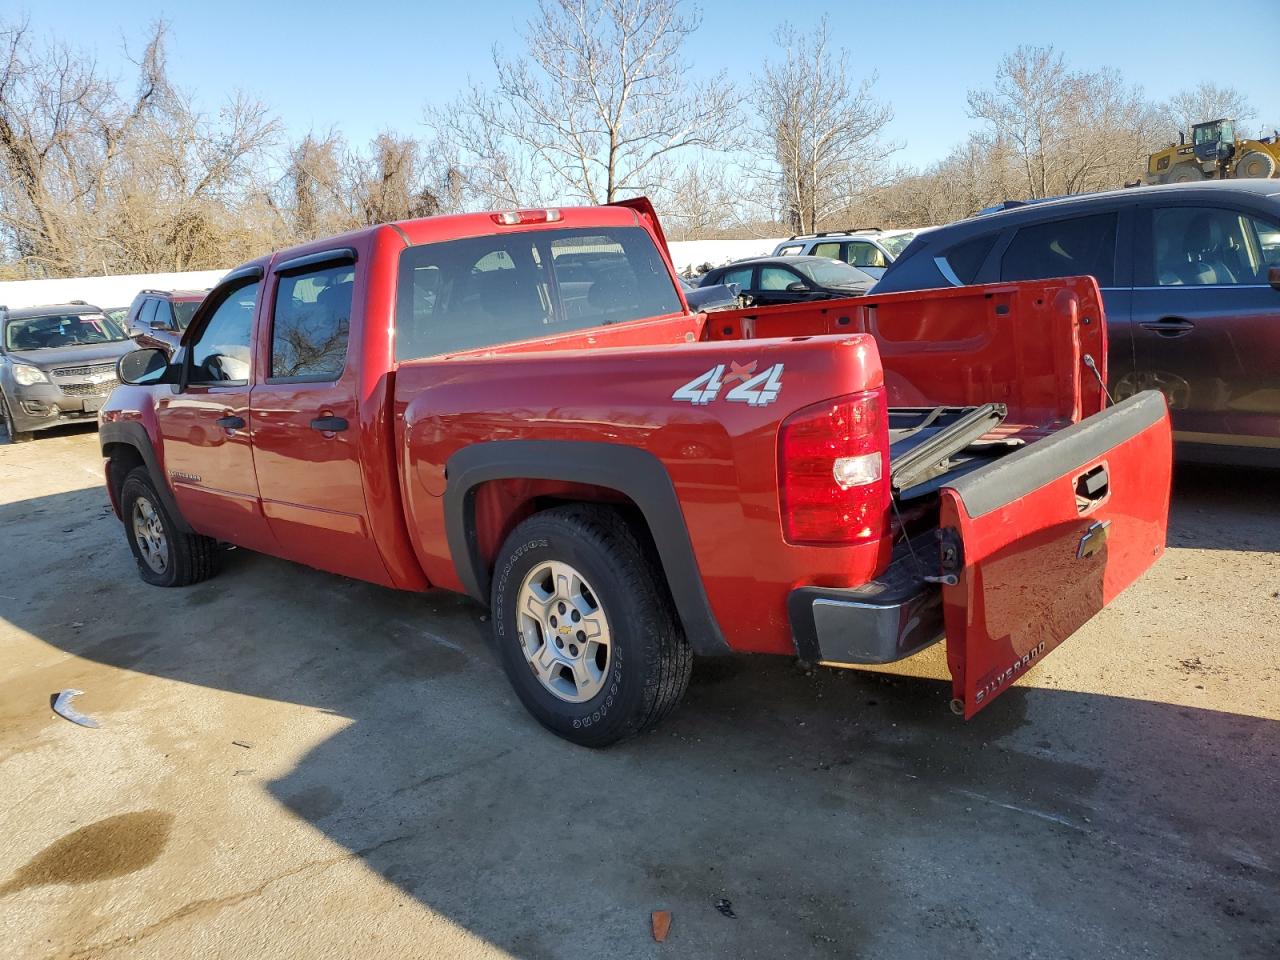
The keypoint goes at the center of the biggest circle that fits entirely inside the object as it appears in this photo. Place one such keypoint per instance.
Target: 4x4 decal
(755, 389)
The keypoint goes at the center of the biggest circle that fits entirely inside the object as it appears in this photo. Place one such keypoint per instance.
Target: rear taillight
(833, 475)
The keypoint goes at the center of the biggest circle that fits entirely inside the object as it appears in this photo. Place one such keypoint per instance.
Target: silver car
(57, 365)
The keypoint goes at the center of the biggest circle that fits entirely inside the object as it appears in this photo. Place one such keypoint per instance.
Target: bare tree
(820, 132)
(1205, 101)
(596, 109)
(390, 182)
(1069, 131)
(702, 201)
(313, 189)
(92, 179)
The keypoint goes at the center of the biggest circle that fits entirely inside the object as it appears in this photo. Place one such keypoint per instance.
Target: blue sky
(361, 70)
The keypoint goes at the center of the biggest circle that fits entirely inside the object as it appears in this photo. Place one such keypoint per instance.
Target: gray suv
(870, 249)
(57, 365)
(1190, 280)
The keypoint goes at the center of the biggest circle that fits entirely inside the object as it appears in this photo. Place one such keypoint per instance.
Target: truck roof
(458, 226)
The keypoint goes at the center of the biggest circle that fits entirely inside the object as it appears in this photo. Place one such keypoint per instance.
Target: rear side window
(467, 294)
(741, 276)
(776, 278)
(311, 323)
(790, 250)
(1084, 246)
(966, 258)
(831, 250)
(148, 313)
(863, 254)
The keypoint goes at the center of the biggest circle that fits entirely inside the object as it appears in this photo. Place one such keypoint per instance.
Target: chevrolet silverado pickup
(521, 406)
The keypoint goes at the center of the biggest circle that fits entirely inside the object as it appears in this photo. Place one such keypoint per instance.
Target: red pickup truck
(521, 406)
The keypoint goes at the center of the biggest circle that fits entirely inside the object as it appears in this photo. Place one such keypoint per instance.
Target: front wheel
(585, 626)
(166, 556)
(15, 435)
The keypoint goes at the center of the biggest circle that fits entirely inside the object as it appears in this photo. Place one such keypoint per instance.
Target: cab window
(220, 355)
(310, 324)
(466, 294)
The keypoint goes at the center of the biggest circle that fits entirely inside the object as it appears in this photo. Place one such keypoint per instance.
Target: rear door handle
(230, 422)
(328, 424)
(1169, 326)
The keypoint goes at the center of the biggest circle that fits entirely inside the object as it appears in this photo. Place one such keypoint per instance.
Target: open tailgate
(1044, 538)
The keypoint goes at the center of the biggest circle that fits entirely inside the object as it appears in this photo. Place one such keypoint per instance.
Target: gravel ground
(293, 764)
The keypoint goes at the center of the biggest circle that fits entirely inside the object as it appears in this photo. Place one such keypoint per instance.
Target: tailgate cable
(946, 579)
(1089, 362)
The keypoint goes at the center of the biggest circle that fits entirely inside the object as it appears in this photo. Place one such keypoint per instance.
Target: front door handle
(230, 422)
(1169, 326)
(328, 424)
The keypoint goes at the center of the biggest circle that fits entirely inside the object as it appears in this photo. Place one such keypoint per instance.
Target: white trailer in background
(104, 292)
(108, 292)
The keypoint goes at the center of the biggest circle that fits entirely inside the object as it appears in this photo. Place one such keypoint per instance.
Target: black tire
(189, 557)
(1185, 173)
(15, 436)
(649, 660)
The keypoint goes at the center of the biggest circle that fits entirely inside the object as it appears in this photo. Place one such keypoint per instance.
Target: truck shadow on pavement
(779, 811)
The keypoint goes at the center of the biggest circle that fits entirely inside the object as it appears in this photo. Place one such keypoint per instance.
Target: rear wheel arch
(634, 481)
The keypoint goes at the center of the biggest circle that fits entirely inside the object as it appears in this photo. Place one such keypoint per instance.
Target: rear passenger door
(1097, 245)
(306, 427)
(1207, 322)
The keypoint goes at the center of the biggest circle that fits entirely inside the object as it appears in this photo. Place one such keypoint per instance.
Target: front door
(205, 425)
(307, 429)
(1206, 323)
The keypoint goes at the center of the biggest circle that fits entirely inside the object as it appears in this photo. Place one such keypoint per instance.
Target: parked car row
(1190, 278)
(1189, 273)
(58, 362)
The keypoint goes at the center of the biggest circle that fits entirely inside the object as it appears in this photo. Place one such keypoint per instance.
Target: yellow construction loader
(1214, 153)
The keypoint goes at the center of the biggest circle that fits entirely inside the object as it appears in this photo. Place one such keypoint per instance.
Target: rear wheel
(585, 627)
(1185, 173)
(15, 436)
(1256, 165)
(166, 556)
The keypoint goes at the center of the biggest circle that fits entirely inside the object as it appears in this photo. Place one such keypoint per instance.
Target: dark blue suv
(1190, 277)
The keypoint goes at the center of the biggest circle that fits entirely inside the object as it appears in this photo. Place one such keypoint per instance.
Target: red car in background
(158, 318)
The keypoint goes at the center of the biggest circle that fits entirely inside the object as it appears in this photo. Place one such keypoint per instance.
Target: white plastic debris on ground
(104, 292)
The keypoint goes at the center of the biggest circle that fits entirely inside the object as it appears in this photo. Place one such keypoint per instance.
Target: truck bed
(928, 446)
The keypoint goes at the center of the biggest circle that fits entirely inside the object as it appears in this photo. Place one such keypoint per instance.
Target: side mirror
(145, 367)
(797, 287)
(1273, 278)
(159, 325)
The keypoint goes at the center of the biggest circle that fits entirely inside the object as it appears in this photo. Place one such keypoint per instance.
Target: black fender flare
(134, 434)
(633, 472)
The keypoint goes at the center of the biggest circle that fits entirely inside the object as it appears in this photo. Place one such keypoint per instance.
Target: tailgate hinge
(950, 558)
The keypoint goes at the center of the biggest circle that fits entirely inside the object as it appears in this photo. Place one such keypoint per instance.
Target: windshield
(61, 330)
(896, 244)
(833, 273)
(184, 310)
